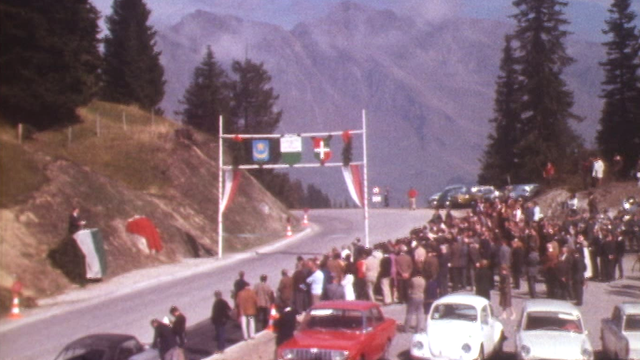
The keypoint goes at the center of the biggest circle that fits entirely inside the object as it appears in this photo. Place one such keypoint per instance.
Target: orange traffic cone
(15, 308)
(273, 316)
(289, 232)
(305, 220)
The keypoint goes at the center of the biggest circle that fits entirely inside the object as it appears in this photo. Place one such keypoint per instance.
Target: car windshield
(454, 312)
(552, 321)
(334, 319)
(632, 323)
(81, 353)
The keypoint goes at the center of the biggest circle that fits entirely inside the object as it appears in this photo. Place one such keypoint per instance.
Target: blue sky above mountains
(587, 16)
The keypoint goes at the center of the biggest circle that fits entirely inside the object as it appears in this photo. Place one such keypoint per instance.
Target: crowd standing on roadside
(496, 245)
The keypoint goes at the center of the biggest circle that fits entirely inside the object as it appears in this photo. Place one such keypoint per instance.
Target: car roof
(474, 300)
(345, 304)
(551, 305)
(104, 341)
(630, 307)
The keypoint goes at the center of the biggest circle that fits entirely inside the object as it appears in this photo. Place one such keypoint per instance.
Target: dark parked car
(107, 347)
(522, 191)
(443, 198)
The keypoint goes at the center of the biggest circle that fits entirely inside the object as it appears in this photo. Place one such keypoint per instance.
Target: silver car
(552, 329)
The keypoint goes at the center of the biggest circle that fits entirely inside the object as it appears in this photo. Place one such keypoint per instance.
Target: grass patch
(120, 142)
(19, 174)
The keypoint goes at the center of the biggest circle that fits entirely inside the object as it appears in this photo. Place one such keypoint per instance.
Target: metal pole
(365, 194)
(220, 162)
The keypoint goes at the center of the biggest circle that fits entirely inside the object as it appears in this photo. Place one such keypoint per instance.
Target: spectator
(532, 262)
(220, 315)
(415, 302)
(239, 284)
(412, 194)
(549, 173)
(505, 293)
(248, 308)
(348, 281)
(285, 325)
(179, 325)
(316, 282)
(75, 222)
(285, 290)
(484, 280)
(266, 298)
(617, 165)
(301, 293)
(597, 172)
(372, 268)
(165, 341)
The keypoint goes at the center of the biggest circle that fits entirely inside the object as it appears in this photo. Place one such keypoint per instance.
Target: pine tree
(132, 70)
(253, 99)
(207, 97)
(547, 102)
(49, 59)
(619, 131)
(500, 162)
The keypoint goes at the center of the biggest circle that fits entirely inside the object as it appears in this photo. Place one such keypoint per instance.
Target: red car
(341, 330)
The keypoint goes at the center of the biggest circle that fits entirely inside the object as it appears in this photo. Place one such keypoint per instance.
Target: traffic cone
(289, 232)
(15, 308)
(273, 316)
(305, 220)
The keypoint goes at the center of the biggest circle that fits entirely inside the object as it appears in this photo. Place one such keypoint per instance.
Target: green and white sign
(291, 149)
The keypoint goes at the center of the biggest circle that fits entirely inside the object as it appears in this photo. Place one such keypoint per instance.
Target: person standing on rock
(75, 222)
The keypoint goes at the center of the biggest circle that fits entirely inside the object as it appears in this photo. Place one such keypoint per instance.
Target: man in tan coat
(266, 298)
(247, 307)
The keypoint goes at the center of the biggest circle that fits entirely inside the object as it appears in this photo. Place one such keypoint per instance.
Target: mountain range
(427, 88)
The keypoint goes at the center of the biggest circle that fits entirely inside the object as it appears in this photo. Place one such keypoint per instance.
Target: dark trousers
(578, 290)
(531, 283)
(263, 318)
(221, 336)
(595, 273)
(516, 279)
(619, 266)
(456, 278)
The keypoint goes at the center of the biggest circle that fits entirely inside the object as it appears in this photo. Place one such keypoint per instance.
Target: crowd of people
(499, 245)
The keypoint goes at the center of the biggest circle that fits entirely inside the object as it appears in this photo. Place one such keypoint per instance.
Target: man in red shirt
(412, 194)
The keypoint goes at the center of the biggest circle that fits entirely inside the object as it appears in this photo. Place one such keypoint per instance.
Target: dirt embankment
(608, 196)
(34, 232)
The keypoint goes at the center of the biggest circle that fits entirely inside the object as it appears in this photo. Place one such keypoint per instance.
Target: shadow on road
(201, 338)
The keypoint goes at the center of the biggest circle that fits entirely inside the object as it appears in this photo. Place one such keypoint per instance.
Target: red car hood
(335, 340)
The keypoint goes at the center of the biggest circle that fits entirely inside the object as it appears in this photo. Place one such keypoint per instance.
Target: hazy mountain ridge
(428, 88)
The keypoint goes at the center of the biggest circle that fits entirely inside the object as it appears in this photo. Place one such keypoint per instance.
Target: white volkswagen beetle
(552, 329)
(459, 326)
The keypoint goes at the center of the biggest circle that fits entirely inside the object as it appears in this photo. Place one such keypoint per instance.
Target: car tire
(386, 353)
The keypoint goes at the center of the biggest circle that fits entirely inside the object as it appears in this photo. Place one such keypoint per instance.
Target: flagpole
(220, 162)
(365, 190)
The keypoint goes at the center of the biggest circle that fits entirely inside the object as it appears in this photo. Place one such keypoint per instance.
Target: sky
(587, 16)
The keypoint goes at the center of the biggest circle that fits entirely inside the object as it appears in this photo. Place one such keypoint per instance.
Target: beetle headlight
(418, 345)
(466, 348)
(287, 354)
(339, 355)
(525, 350)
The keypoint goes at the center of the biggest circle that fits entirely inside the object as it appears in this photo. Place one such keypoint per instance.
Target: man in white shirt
(316, 281)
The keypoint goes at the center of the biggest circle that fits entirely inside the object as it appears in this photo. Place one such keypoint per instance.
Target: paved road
(43, 332)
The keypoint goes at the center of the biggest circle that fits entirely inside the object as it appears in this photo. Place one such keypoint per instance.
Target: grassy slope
(137, 168)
